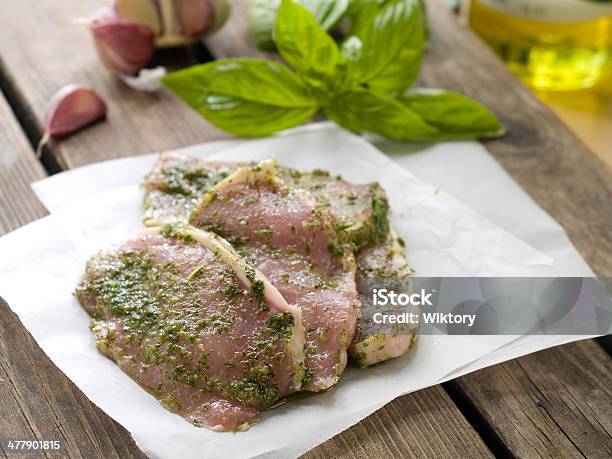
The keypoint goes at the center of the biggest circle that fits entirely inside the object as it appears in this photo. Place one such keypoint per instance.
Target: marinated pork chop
(360, 210)
(382, 265)
(189, 320)
(361, 216)
(290, 237)
(176, 184)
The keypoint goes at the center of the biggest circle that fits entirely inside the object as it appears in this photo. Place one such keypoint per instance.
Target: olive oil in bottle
(549, 44)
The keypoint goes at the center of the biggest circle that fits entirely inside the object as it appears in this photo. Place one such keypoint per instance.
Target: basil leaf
(255, 80)
(366, 111)
(392, 39)
(262, 17)
(250, 119)
(327, 12)
(454, 115)
(304, 44)
(244, 96)
(356, 5)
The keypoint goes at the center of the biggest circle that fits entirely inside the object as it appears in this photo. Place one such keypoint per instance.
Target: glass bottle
(549, 44)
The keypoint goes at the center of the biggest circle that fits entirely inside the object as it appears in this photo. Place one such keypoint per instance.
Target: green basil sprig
(365, 85)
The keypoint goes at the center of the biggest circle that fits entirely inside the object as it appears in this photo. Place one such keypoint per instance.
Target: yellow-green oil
(560, 56)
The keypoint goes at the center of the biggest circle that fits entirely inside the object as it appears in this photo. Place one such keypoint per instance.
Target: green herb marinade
(158, 309)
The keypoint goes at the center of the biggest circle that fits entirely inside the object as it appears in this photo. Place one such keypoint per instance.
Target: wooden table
(557, 402)
(588, 114)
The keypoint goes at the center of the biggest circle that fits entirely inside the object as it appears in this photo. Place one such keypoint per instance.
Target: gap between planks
(27, 120)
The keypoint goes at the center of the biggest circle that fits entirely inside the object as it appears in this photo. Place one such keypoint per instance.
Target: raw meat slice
(290, 237)
(361, 215)
(175, 185)
(360, 210)
(382, 265)
(177, 182)
(197, 326)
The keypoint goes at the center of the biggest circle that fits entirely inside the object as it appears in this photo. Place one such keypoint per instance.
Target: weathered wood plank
(555, 403)
(397, 430)
(36, 399)
(567, 180)
(18, 168)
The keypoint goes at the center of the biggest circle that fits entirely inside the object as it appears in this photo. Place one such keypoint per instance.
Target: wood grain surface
(541, 154)
(397, 430)
(553, 403)
(18, 168)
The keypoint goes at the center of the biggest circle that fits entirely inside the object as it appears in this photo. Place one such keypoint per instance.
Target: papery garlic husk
(124, 46)
(175, 22)
(146, 12)
(147, 80)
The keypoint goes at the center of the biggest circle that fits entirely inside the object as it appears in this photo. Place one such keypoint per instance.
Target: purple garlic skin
(125, 47)
(175, 22)
(196, 16)
(72, 108)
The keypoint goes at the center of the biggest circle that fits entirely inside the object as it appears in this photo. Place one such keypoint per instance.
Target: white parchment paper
(443, 236)
(464, 169)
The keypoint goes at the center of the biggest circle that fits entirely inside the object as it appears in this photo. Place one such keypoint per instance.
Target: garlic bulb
(175, 22)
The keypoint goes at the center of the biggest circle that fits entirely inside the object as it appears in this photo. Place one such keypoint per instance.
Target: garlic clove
(72, 108)
(186, 21)
(169, 17)
(196, 16)
(145, 12)
(124, 46)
